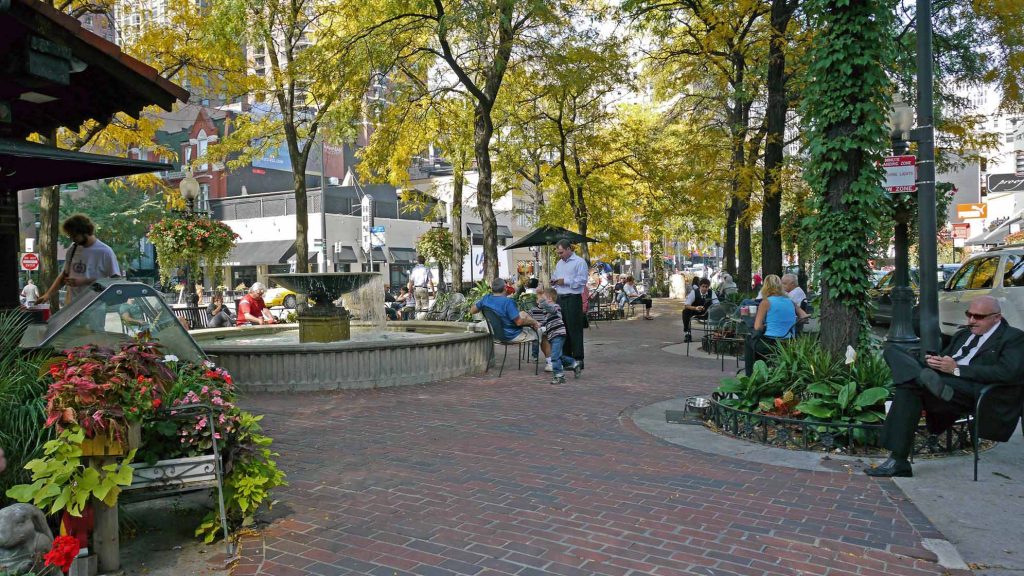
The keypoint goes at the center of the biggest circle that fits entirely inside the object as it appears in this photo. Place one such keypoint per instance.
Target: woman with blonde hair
(776, 320)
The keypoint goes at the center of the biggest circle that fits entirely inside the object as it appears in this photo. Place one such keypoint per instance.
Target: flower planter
(176, 474)
(107, 446)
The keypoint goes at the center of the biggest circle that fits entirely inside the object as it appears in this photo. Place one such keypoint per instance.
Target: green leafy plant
(190, 241)
(62, 482)
(436, 245)
(22, 408)
(251, 474)
(803, 380)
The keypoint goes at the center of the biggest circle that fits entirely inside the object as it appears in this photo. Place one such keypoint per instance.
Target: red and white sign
(900, 173)
(961, 231)
(30, 261)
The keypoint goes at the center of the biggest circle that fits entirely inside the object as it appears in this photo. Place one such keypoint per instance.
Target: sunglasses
(973, 316)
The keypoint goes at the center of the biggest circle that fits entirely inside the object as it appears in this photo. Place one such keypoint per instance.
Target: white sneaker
(548, 368)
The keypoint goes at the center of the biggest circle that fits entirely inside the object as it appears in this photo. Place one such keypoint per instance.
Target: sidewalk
(480, 476)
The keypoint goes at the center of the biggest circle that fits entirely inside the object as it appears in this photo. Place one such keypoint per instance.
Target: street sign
(367, 224)
(966, 211)
(30, 261)
(900, 173)
(377, 238)
(961, 231)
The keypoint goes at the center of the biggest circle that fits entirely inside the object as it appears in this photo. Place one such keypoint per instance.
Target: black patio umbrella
(548, 236)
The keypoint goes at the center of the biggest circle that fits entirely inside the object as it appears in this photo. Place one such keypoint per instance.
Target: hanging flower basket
(190, 241)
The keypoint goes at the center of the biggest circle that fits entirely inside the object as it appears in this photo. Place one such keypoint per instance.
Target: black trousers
(572, 315)
(756, 348)
(911, 397)
(689, 315)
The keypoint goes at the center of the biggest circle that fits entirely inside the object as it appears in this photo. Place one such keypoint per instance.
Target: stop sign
(30, 261)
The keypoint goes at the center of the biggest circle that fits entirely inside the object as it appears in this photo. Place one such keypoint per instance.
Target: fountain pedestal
(324, 321)
(332, 328)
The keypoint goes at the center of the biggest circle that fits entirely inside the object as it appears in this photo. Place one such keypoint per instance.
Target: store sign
(367, 224)
(967, 211)
(1004, 183)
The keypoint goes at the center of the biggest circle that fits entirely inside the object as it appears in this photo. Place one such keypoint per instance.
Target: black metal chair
(712, 320)
(496, 328)
(982, 394)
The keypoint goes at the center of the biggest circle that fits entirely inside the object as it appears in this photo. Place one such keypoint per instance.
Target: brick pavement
(483, 477)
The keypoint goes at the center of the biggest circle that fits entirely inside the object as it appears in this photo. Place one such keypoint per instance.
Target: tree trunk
(744, 270)
(729, 250)
(456, 228)
(301, 224)
(483, 130)
(771, 209)
(49, 230)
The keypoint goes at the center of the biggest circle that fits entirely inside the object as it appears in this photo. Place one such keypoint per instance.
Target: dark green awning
(26, 165)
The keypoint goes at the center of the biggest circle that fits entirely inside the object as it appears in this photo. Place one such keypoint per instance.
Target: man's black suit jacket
(999, 360)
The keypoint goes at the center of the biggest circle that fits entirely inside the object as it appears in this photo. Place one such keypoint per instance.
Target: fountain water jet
(326, 320)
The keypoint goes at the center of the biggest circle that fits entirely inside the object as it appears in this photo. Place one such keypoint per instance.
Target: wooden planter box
(107, 446)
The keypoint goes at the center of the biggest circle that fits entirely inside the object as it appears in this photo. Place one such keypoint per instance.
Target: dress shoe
(891, 468)
(687, 338)
(931, 380)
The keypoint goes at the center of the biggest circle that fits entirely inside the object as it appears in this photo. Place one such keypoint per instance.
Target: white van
(998, 273)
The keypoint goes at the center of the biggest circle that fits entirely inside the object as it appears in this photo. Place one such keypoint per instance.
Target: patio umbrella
(547, 236)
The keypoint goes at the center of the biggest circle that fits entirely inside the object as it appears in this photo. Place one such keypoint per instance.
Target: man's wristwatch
(956, 371)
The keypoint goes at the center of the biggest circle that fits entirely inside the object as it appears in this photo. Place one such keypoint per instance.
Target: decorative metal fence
(809, 435)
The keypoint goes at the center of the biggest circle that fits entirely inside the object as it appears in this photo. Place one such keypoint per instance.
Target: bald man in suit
(986, 351)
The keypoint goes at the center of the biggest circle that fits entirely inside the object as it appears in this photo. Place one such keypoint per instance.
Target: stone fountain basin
(440, 350)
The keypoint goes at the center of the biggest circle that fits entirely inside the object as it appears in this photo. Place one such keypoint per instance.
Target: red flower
(63, 552)
(157, 402)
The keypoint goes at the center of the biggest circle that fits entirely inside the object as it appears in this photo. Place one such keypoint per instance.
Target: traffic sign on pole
(30, 261)
(900, 173)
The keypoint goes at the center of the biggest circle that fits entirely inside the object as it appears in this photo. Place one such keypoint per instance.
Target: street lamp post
(901, 326)
(439, 225)
(189, 188)
(925, 137)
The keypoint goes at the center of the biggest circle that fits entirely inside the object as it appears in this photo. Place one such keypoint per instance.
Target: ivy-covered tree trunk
(845, 108)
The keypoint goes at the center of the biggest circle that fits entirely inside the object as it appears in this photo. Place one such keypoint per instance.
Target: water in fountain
(367, 303)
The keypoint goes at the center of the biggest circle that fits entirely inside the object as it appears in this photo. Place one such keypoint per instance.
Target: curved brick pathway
(479, 476)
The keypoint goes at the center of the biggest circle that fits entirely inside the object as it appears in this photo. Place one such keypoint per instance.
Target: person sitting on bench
(220, 316)
(252, 309)
(987, 351)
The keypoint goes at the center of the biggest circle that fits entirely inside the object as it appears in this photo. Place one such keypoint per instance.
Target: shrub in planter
(803, 380)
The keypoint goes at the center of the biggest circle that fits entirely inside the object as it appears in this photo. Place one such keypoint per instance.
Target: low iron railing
(800, 434)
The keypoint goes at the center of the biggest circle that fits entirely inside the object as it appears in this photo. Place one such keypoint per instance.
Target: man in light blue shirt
(569, 279)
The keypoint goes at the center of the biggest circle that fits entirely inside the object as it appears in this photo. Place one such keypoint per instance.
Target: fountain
(326, 320)
(344, 346)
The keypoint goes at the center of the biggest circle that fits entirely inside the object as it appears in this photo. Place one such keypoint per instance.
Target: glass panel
(1014, 275)
(963, 276)
(114, 313)
(984, 274)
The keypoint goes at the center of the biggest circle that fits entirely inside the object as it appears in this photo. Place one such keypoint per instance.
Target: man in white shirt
(420, 284)
(793, 290)
(988, 351)
(88, 259)
(568, 279)
(30, 293)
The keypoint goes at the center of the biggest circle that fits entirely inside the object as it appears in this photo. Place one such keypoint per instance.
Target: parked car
(881, 294)
(998, 273)
(279, 297)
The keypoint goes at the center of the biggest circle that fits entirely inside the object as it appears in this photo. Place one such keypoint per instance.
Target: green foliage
(190, 241)
(62, 482)
(845, 108)
(22, 408)
(436, 245)
(824, 389)
(251, 476)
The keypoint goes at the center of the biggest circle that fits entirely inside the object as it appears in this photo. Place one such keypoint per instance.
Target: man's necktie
(967, 347)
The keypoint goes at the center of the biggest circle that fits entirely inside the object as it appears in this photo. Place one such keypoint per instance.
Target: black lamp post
(189, 188)
(901, 327)
(924, 135)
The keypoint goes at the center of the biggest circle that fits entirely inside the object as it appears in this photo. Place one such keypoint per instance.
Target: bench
(197, 317)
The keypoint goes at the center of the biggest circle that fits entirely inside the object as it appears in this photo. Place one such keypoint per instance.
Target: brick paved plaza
(483, 476)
